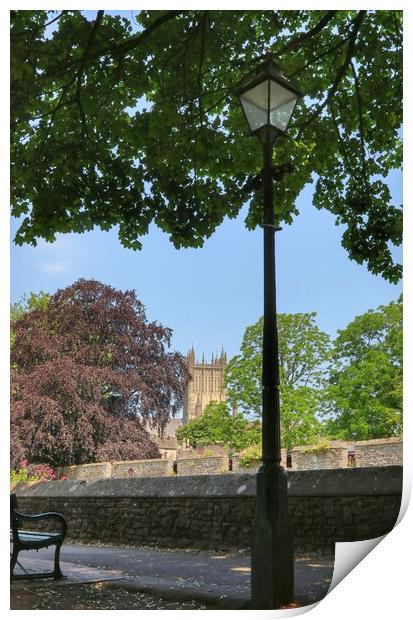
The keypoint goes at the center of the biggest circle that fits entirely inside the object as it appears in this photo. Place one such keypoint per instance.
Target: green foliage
(251, 456)
(365, 395)
(217, 426)
(322, 445)
(28, 303)
(303, 351)
(112, 127)
(32, 473)
(33, 301)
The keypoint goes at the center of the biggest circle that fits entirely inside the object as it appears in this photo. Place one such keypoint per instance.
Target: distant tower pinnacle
(205, 383)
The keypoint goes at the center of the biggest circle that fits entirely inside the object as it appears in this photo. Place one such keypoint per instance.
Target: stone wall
(89, 471)
(216, 511)
(312, 457)
(145, 468)
(204, 465)
(376, 452)
(237, 467)
(117, 469)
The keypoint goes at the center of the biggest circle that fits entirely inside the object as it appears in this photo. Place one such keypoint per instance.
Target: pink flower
(24, 463)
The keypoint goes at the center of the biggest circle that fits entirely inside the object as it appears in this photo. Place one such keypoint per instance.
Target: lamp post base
(272, 554)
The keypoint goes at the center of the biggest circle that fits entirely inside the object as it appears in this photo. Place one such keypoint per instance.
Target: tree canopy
(366, 381)
(116, 127)
(26, 304)
(89, 374)
(304, 351)
(217, 426)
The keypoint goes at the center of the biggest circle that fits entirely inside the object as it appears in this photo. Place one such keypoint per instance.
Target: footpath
(214, 580)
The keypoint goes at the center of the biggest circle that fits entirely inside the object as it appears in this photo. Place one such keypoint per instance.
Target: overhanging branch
(341, 73)
(299, 40)
(34, 30)
(133, 42)
(89, 44)
(361, 123)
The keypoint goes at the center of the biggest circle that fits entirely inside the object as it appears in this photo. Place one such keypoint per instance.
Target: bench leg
(57, 573)
(13, 560)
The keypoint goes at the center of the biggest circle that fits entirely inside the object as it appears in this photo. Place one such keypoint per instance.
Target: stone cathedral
(206, 384)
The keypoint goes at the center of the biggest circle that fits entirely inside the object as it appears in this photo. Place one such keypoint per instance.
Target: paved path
(205, 576)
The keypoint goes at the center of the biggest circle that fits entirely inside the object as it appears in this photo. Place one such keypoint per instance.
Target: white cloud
(56, 266)
(57, 257)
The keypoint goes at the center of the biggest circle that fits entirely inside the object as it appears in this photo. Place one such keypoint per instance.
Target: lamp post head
(268, 100)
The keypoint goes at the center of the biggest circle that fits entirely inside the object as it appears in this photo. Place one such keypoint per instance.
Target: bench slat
(37, 534)
(27, 536)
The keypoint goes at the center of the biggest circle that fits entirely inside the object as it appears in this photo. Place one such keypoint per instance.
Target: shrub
(251, 456)
(322, 445)
(31, 473)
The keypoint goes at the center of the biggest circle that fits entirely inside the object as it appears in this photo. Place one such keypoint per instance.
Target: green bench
(24, 540)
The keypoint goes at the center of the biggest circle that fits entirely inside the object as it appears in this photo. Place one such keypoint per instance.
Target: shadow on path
(215, 579)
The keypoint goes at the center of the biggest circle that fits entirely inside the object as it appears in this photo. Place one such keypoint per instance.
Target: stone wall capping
(373, 442)
(329, 444)
(145, 461)
(364, 481)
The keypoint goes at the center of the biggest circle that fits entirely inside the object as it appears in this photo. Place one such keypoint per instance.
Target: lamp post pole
(272, 558)
(269, 99)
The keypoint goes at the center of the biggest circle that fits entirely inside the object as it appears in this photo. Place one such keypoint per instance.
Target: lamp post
(268, 101)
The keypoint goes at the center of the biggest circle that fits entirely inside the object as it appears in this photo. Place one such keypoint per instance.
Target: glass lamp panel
(282, 103)
(255, 104)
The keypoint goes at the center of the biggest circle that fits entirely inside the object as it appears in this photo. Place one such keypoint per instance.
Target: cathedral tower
(206, 384)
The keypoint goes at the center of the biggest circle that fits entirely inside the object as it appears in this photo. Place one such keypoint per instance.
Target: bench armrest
(43, 516)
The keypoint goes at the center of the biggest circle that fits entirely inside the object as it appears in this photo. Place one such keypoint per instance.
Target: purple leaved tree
(89, 374)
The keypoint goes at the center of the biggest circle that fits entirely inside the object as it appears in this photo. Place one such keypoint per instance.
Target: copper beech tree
(89, 374)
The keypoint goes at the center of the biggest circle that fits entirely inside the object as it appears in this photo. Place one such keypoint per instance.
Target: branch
(201, 62)
(396, 24)
(78, 78)
(361, 124)
(297, 41)
(34, 30)
(316, 58)
(129, 45)
(81, 70)
(199, 84)
(341, 142)
(341, 73)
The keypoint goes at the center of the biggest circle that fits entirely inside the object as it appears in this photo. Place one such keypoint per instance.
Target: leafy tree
(303, 351)
(115, 127)
(27, 304)
(217, 426)
(89, 372)
(365, 395)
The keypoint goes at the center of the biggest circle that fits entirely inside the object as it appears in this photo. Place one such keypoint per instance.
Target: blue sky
(208, 296)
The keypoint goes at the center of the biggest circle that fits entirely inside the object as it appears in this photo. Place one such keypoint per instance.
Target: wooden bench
(30, 539)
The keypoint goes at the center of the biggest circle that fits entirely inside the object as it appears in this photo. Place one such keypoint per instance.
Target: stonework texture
(152, 467)
(309, 457)
(372, 453)
(376, 452)
(216, 512)
(89, 471)
(117, 469)
(205, 385)
(204, 465)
